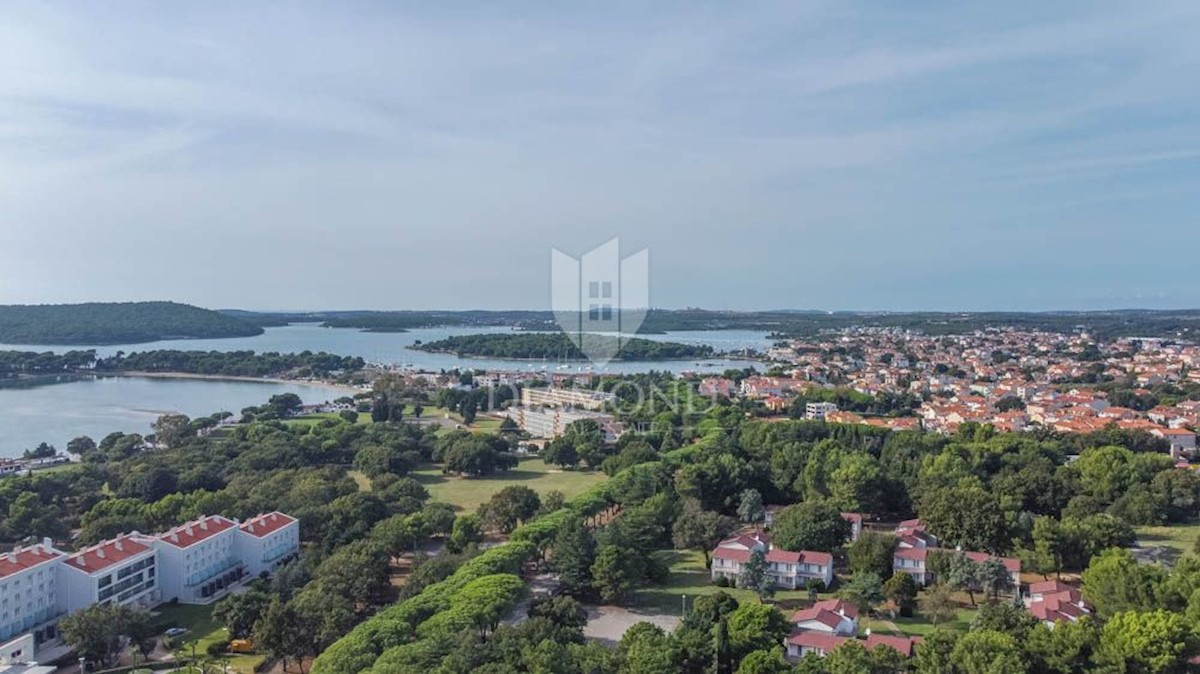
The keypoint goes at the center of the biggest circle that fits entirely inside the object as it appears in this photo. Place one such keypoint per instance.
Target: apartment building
(786, 569)
(552, 422)
(199, 560)
(123, 570)
(268, 541)
(819, 410)
(565, 397)
(28, 594)
(913, 561)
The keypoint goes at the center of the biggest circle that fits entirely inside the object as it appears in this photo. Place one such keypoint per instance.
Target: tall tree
(812, 525)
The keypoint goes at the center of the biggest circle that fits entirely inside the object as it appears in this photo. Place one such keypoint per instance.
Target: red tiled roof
(902, 644)
(813, 639)
(27, 558)
(1048, 587)
(853, 517)
(802, 557)
(1012, 564)
(735, 554)
(264, 525)
(824, 616)
(187, 535)
(838, 606)
(106, 554)
(776, 555)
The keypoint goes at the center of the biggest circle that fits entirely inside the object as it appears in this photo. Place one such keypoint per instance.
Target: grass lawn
(314, 419)
(204, 631)
(689, 577)
(1182, 537)
(918, 625)
(360, 478)
(467, 494)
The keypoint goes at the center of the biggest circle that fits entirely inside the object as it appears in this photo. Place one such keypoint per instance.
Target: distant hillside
(115, 323)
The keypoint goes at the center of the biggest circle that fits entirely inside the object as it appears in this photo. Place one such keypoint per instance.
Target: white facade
(199, 560)
(123, 570)
(28, 593)
(268, 541)
(818, 410)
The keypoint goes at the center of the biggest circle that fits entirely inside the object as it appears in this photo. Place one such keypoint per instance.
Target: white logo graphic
(599, 300)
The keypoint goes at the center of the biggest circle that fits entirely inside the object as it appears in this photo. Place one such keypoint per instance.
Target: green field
(1182, 537)
(689, 577)
(314, 419)
(467, 494)
(203, 631)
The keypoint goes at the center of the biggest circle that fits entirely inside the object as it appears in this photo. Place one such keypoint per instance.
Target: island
(557, 346)
(97, 323)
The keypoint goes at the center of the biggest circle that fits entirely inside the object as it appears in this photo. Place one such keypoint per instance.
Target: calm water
(59, 412)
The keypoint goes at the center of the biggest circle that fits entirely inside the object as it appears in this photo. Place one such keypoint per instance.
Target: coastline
(341, 388)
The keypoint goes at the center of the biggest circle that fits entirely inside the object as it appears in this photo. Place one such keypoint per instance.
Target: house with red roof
(1053, 601)
(903, 645)
(786, 569)
(834, 616)
(802, 642)
(913, 562)
(1183, 441)
(912, 534)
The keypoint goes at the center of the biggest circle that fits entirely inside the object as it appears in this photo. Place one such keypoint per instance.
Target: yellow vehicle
(241, 646)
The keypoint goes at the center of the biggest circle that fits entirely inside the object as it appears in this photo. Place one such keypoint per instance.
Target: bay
(56, 413)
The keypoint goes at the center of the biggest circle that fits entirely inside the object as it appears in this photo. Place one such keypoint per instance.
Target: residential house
(786, 569)
(832, 616)
(1053, 601)
(1183, 441)
(913, 562)
(803, 642)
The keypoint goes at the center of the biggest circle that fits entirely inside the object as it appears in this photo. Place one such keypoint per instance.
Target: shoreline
(344, 388)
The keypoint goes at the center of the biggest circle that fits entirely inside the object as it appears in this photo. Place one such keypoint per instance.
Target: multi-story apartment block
(195, 563)
(268, 541)
(199, 560)
(28, 595)
(565, 397)
(123, 570)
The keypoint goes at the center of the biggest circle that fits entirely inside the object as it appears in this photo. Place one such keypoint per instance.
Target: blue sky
(832, 155)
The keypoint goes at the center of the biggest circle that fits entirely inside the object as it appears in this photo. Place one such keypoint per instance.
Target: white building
(28, 594)
(123, 570)
(786, 569)
(818, 410)
(565, 397)
(552, 422)
(266, 542)
(199, 560)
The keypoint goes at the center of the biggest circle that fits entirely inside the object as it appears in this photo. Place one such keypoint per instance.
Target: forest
(115, 323)
(557, 346)
(232, 363)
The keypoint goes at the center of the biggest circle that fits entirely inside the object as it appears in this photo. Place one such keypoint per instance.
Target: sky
(797, 155)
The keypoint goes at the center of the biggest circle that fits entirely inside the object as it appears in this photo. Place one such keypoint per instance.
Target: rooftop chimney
(119, 545)
(100, 553)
